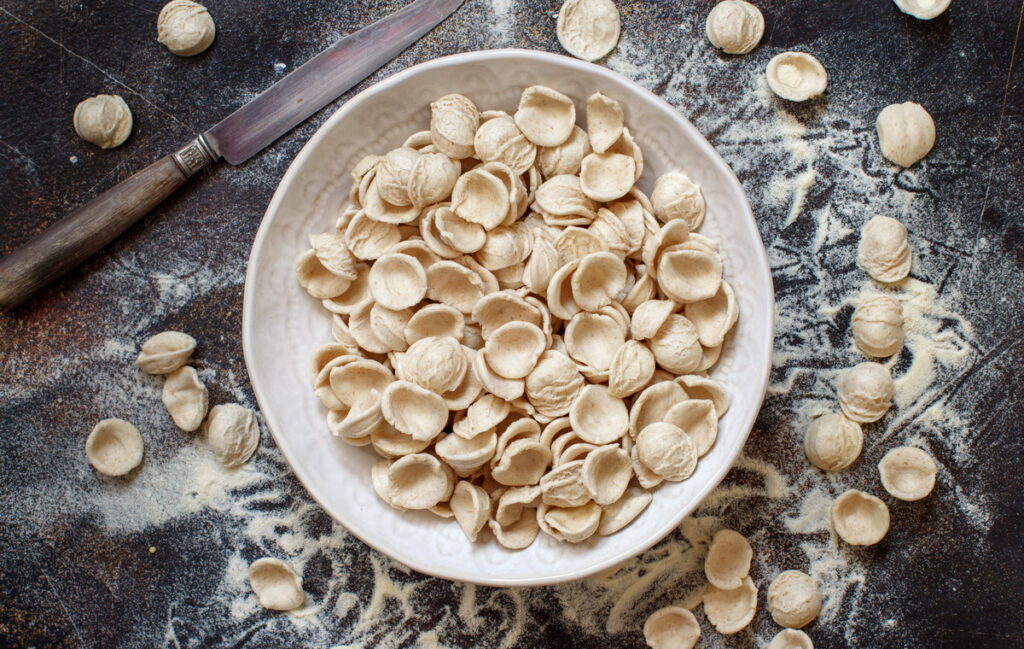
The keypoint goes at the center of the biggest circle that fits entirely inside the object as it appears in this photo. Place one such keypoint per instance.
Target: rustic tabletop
(160, 559)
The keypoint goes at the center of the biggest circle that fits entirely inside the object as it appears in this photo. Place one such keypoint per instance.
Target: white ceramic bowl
(282, 325)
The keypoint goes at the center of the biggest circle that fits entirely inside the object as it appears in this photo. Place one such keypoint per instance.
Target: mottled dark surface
(946, 576)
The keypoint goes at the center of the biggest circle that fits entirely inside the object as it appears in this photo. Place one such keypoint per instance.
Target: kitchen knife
(236, 138)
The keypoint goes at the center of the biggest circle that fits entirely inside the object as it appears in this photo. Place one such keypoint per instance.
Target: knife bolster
(194, 156)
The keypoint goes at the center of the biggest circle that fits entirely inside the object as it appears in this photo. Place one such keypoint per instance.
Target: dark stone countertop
(160, 559)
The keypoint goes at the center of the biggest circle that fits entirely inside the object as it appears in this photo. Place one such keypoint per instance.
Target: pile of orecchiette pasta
(520, 331)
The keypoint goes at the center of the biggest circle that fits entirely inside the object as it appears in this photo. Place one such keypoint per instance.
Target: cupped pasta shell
(393, 173)
(468, 390)
(513, 502)
(518, 535)
(859, 518)
(907, 473)
(355, 381)
(545, 116)
(676, 346)
(369, 239)
(276, 585)
(689, 275)
(554, 384)
(390, 442)
(232, 433)
(498, 309)
(672, 627)
(359, 422)
(458, 233)
(696, 417)
(436, 364)
(715, 316)
(505, 246)
(333, 253)
(513, 349)
(643, 290)
(675, 196)
(632, 367)
(604, 121)
(357, 294)
(114, 447)
(605, 177)
(500, 140)
(454, 120)
(567, 157)
(451, 283)
(563, 485)
(563, 196)
(598, 278)
(485, 414)
(465, 455)
(573, 244)
(700, 387)
(432, 179)
(432, 235)
(507, 389)
(481, 197)
(185, 398)
(317, 279)
(652, 404)
(471, 507)
(606, 473)
(796, 76)
(389, 326)
(435, 321)
(728, 560)
(667, 451)
(610, 229)
(419, 481)
(597, 417)
(588, 29)
(541, 266)
(522, 463)
(730, 611)
(645, 477)
(413, 410)
(571, 524)
(381, 211)
(593, 339)
(623, 511)
(165, 352)
(397, 281)
(628, 147)
(360, 325)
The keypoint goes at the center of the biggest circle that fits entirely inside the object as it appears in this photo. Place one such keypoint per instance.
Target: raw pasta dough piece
(796, 76)
(907, 473)
(185, 398)
(906, 133)
(728, 560)
(884, 252)
(588, 29)
(865, 392)
(276, 585)
(859, 518)
(165, 352)
(790, 639)
(114, 447)
(793, 599)
(731, 610)
(232, 433)
(104, 120)
(672, 627)
(185, 27)
(878, 326)
(923, 9)
(735, 26)
(833, 442)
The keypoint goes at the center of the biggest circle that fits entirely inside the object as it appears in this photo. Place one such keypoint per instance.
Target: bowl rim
(249, 317)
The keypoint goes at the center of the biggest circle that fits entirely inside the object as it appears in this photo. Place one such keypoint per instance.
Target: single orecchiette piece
(675, 196)
(923, 9)
(728, 560)
(859, 518)
(833, 442)
(735, 26)
(730, 611)
(796, 76)
(233, 434)
(907, 473)
(884, 252)
(276, 585)
(165, 352)
(791, 639)
(878, 326)
(793, 599)
(454, 120)
(906, 133)
(865, 392)
(185, 398)
(672, 627)
(588, 29)
(545, 116)
(114, 447)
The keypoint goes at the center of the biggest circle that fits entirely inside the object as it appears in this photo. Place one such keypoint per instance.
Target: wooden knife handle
(92, 226)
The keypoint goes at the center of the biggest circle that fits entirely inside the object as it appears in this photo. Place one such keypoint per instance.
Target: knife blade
(236, 138)
(322, 79)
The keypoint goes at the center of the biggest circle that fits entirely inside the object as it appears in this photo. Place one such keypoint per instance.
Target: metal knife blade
(322, 79)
